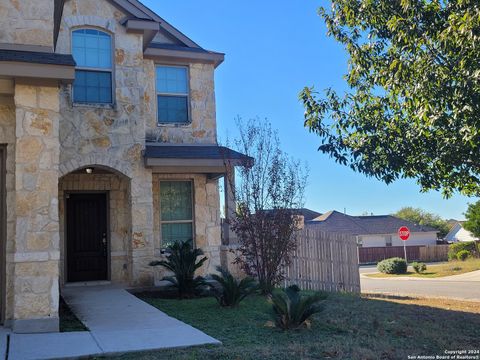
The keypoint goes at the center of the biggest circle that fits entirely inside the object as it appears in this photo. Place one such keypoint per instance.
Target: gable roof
(307, 214)
(141, 18)
(334, 221)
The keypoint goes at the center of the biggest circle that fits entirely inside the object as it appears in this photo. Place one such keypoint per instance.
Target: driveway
(462, 287)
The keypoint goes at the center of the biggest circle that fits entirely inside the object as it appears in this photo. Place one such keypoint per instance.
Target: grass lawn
(68, 321)
(441, 270)
(351, 327)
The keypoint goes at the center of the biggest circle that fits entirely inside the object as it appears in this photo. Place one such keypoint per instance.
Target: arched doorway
(95, 225)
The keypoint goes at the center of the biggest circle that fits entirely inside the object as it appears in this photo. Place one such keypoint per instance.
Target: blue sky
(273, 50)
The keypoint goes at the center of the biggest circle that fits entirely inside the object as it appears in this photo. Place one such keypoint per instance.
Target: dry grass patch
(439, 303)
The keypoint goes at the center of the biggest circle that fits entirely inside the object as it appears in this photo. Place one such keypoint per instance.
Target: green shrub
(392, 266)
(232, 291)
(182, 261)
(419, 267)
(292, 309)
(463, 255)
(454, 249)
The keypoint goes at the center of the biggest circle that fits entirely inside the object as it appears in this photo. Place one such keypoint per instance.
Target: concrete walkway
(118, 323)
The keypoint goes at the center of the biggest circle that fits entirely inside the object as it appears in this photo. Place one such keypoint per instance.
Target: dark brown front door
(87, 250)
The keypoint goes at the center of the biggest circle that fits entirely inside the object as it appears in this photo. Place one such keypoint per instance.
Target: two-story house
(108, 150)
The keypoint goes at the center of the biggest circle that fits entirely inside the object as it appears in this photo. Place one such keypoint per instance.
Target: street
(463, 287)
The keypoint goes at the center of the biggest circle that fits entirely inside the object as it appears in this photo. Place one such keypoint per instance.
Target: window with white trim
(176, 212)
(92, 51)
(172, 95)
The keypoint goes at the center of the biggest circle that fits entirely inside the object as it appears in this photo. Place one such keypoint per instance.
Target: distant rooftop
(334, 221)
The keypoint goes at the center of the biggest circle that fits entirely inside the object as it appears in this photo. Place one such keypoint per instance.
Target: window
(92, 51)
(388, 240)
(360, 241)
(176, 211)
(172, 95)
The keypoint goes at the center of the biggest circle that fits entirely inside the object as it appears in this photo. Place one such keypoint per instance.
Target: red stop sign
(404, 233)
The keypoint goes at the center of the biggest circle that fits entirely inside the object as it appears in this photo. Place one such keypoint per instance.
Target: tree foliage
(473, 219)
(413, 105)
(422, 217)
(266, 192)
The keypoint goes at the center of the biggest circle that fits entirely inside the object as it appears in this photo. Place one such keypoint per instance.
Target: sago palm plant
(182, 261)
(292, 309)
(232, 291)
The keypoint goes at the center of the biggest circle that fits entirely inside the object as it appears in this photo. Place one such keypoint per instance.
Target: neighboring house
(459, 233)
(108, 150)
(375, 231)
(307, 214)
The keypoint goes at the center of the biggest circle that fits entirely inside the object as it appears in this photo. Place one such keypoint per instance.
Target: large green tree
(422, 217)
(473, 219)
(413, 105)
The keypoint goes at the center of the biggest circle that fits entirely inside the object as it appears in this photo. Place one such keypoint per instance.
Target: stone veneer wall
(203, 126)
(36, 245)
(118, 188)
(112, 136)
(207, 218)
(7, 136)
(27, 22)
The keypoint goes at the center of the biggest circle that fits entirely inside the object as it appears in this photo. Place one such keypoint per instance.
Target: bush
(463, 255)
(392, 266)
(232, 291)
(419, 267)
(469, 246)
(182, 261)
(293, 310)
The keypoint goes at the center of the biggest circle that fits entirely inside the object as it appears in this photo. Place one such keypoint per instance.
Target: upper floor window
(172, 95)
(92, 51)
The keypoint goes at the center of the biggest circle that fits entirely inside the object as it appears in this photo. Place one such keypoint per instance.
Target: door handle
(104, 244)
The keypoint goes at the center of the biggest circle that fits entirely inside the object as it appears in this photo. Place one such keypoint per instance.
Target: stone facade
(50, 140)
(206, 216)
(27, 22)
(36, 246)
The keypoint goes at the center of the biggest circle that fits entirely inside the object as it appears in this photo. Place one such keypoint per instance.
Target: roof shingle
(36, 57)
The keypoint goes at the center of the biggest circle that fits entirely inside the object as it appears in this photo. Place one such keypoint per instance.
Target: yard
(365, 327)
(436, 271)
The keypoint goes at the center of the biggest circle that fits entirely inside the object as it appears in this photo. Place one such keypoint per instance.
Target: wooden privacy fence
(434, 253)
(368, 255)
(324, 261)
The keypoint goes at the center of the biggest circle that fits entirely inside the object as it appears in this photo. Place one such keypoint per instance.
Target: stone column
(36, 250)
(142, 245)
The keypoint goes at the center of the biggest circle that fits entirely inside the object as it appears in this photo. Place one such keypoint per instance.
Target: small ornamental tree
(268, 190)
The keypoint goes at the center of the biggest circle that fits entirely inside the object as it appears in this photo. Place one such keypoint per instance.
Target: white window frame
(187, 95)
(92, 69)
(191, 181)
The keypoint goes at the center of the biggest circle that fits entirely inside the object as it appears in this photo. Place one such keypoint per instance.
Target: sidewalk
(118, 323)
